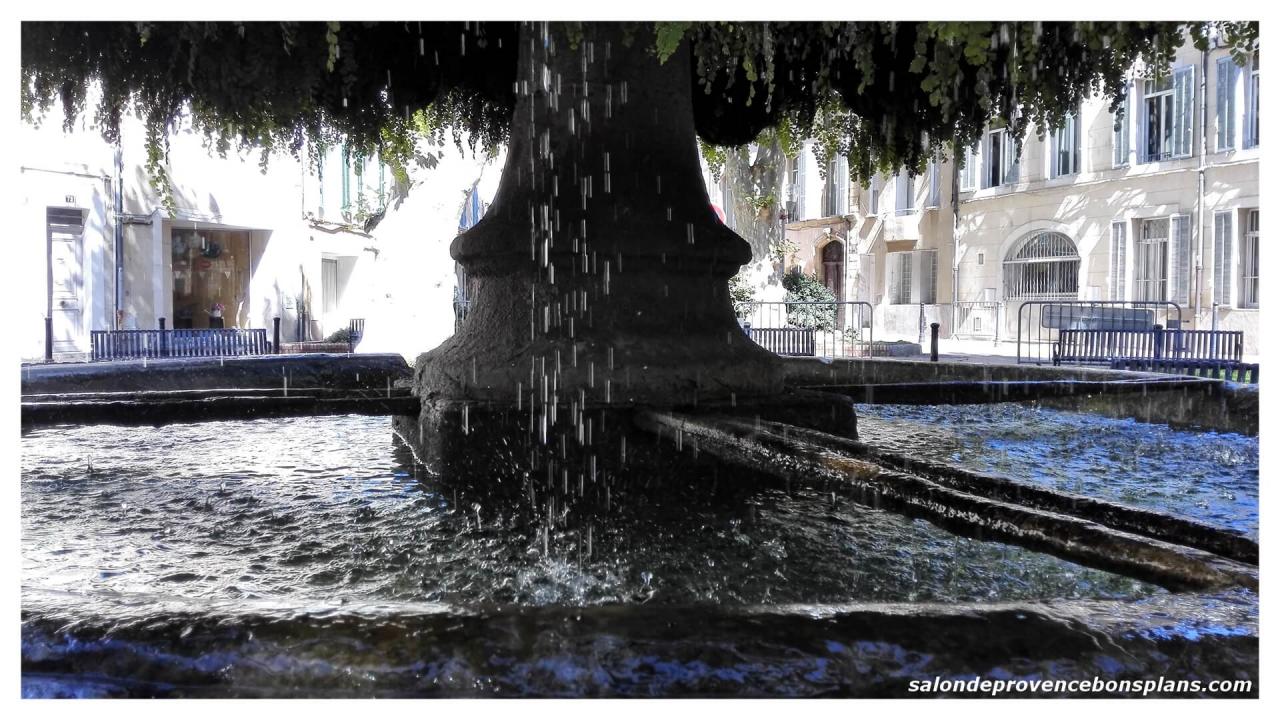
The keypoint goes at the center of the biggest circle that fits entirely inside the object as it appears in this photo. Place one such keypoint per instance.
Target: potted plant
(215, 315)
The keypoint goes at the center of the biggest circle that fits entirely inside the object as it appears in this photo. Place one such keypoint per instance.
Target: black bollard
(48, 339)
(276, 339)
(933, 342)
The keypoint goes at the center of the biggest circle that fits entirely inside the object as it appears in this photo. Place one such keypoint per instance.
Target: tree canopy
(885, 94)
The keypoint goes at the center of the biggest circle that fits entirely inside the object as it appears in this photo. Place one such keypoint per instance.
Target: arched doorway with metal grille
(1043, 265)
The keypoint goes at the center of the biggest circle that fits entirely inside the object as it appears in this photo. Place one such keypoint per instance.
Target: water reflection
(314, 557)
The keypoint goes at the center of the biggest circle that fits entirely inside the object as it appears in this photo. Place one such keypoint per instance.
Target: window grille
(1151, 270)
(1042, 265)
(1249, 263)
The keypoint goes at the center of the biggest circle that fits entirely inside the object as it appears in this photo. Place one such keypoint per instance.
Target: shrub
(740, 293)
(807, 288)
(339, 336)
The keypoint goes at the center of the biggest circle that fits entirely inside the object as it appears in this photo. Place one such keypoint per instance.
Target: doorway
(65, 232)
(833, 268)
(210, 278)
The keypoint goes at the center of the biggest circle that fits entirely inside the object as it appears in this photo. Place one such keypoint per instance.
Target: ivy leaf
(667, 37)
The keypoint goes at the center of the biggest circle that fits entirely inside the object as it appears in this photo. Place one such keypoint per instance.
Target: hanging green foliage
(884, 94)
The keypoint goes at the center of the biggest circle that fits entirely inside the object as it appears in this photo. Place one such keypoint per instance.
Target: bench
(784, 341)
(146, 344)
(1156, 343)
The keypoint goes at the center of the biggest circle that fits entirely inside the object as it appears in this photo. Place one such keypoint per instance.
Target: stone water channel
(318, 556)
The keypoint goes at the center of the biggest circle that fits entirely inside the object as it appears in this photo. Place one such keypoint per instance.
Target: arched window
(1042, 265)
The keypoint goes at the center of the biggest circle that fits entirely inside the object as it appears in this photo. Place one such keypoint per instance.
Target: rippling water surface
(152, 538)
(326, 509)
(1206, 476)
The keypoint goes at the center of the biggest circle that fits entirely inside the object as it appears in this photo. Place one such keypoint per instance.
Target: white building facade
(240, 247)
(1162, 207)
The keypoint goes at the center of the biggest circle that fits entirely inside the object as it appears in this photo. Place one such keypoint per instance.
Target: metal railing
(975, 320)
(815, 329)
(1040, 322)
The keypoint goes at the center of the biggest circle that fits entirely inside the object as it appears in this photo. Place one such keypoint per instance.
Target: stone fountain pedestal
(600, 272)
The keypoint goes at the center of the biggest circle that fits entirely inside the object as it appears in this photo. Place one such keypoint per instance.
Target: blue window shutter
(1250, 109)
(969, 173)
(1183, 109)
(935, 184)
(1222, 237)
(1228, 71)
(1144, 127)
(1120, 139)
(1180, 260)
(802, 162)
(1119, 250)
(346, 177)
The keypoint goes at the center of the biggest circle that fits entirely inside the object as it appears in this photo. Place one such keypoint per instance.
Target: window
(1042, 265)
(1001, 167)
(346, 178)
(969, 173)
(328, 286)
(1251, 103)
(900, 278)
(1249, 263)
(913, 277)
(874, 192)
(1228, 73)
(835, 192)
(1222, 258)
(359, 172)
(1064, 155)
(903, 193)
(1152, 255)
(1167, 112)
(797, 186)
(1119, 251)
(982, 258)
(1120, 133)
